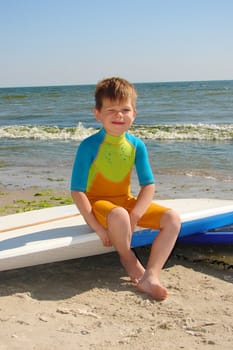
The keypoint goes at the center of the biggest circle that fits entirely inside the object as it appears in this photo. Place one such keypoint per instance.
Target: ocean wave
(208, 132)
(42, 132)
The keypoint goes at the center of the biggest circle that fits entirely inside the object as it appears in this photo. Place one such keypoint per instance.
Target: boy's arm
(84, 206)
(144, 199)
(147, 182)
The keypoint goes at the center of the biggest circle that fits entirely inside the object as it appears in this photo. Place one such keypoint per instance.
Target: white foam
(210, 132)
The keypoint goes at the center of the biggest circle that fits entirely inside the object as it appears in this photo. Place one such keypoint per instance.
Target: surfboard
(209, 237)
(60, 233)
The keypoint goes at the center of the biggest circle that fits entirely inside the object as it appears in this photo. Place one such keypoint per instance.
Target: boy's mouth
(118, 122)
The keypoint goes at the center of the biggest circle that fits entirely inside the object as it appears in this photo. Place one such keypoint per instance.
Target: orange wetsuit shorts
(150, 219)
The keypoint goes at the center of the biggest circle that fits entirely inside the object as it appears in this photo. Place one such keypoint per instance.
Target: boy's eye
(111, 112)
(124, 111)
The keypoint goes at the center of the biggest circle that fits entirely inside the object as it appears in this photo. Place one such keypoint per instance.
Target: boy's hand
(103, 235)
(106, 242)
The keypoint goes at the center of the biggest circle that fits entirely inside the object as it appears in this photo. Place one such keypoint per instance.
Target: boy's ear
(96, 114)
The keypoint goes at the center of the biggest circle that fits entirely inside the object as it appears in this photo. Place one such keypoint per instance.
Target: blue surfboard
(211, 237)
(189, 230)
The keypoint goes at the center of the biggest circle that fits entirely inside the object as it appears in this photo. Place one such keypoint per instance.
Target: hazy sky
(56, 42)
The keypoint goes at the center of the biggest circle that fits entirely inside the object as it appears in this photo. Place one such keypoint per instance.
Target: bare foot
(133, 267)
(153, 288)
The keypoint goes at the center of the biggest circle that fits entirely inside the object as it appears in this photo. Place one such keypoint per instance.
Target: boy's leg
(116, 220)
(160, 251)
(119, 230)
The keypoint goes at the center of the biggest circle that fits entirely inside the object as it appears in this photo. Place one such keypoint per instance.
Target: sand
(90, 303)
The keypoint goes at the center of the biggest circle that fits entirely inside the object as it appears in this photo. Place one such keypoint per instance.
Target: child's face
(115, 116)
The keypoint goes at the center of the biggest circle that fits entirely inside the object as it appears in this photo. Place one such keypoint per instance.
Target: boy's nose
(119, 113)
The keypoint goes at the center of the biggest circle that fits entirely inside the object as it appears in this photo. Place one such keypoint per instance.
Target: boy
(100, 187)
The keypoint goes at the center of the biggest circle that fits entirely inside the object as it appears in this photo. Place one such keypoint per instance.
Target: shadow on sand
(65, 279)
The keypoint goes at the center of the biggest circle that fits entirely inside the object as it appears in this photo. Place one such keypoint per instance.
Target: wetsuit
(102, 169)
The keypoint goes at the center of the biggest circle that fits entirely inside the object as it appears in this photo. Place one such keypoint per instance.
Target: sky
(67, 42)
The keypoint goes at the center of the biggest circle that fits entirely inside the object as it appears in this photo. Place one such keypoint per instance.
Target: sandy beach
(90, 303)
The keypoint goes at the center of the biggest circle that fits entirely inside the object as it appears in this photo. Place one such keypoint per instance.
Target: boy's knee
(171, 218)
(118, 213)
(118, 221)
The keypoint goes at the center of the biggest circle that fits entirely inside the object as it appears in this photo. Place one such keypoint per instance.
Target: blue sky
(56, 42)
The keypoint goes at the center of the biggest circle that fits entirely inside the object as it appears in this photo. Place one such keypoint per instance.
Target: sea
(187, 127)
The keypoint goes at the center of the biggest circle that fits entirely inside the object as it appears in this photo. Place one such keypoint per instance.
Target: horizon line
(93, 84)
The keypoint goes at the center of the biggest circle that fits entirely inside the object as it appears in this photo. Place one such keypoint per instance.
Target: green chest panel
(114, 160)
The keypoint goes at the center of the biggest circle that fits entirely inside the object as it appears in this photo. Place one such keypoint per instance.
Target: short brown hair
(114, 89)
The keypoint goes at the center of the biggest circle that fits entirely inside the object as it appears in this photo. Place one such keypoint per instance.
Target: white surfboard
(60, 233)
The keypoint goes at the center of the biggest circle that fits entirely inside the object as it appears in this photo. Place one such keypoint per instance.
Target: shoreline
(29, 197)
(15, 201)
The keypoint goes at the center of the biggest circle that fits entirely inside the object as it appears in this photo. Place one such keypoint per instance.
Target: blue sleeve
(142, 163)
(82, 162)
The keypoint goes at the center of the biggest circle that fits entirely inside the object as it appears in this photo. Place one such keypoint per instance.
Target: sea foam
(208, 132)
